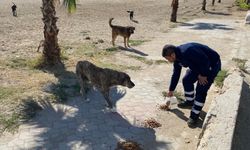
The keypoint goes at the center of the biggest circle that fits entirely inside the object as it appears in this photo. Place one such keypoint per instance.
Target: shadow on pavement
(133, 51)
(217, 13)
(182, 116)
(179, 114)
(76, 124)
(206, 26)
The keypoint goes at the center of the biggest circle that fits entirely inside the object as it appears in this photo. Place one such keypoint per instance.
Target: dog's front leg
(125, 42)
(83, 90)
(113, 39)
(107, 98)
(128, 42)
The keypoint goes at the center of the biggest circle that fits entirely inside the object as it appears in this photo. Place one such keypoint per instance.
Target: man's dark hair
(168, 50)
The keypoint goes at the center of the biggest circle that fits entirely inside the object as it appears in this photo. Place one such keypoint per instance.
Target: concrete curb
(218, 127)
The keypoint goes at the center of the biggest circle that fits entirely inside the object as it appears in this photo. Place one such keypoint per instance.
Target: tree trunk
(219, 1)
(213, 1)
(248, 1)
(204, 5)
(174, 6)
(51, 49)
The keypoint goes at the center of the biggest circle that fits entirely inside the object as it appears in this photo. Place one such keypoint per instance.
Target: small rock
(87, 38)
(187, 140)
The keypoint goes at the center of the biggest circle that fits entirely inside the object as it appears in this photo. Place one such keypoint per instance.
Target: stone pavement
(87, 126)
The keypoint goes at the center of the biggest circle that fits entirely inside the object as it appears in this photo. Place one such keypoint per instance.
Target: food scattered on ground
(151, 123)
(165, 107)
(128, 145)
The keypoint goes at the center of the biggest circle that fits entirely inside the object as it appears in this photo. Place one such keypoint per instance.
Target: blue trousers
(198, 96)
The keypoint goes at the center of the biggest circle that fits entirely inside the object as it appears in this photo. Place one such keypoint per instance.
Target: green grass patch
(32, 63)
(158, 62)
(6, 92)
(135, 68)
(219, 80)
(28, 109)
(142, 59)
(242, 4)
(81, 50)
(17, 63)
(9, 124)
(240, 63)
(24, 112)
(117, 67)
(9, 92)
(64, 56)
(111, 49)
(90, 50)
(137, 42)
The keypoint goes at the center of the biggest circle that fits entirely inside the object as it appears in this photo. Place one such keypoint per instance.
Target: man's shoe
(192, 123)
(185, 104)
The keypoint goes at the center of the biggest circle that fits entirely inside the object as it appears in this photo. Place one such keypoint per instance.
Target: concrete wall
(219, 124)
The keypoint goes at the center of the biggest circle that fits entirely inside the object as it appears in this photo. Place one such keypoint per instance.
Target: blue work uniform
(201, 60)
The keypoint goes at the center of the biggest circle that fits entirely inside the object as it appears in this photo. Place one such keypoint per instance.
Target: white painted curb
(218, 127)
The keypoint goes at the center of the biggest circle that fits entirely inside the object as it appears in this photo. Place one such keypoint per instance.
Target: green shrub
(240, 63)
(242, 4)
(220, 78)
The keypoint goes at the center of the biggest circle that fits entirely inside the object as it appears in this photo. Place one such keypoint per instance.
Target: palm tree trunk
(51, 49)
(204, 5)
(213, 1)
(174, 5)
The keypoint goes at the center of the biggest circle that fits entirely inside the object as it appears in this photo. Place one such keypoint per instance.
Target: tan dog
(125, 32)
(102, 78)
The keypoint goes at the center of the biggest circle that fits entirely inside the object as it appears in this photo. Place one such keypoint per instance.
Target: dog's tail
(110, 22)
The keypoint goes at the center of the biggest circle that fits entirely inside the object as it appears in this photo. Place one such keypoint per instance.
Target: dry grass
(25, 80)
(142, 59)
(221, 76)
(137, 42)
(159, 62)
(19, 77)
(240, 64)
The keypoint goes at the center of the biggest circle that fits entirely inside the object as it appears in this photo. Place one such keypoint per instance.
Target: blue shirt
(197, 57)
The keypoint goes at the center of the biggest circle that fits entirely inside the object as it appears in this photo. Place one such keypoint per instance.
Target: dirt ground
(20, 36)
